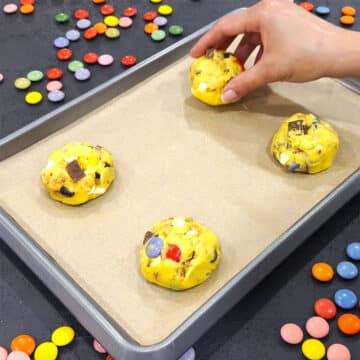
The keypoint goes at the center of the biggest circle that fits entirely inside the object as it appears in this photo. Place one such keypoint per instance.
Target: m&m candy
(98, 347)
(317, 327)
(345, 299)
(291, 333)
(347, 270)
(18, 355)
(3, 353)
(313, 349)
(325, 308)
(63, 336)
(338, 352)
(24, 343)
(349, 324)
(353, 251)
(46, 351)
(322, 272)
(188, 355)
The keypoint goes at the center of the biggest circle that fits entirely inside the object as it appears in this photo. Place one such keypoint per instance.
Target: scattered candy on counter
(326, 309)
(109, 27)
(23, 346)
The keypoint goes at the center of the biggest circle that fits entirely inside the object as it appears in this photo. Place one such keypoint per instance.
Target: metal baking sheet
(308, 202)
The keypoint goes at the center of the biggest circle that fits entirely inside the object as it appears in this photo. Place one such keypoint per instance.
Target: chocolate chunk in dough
(214, 257)
(296, 125)
(66, 192)
(147, 236)
(75, 171)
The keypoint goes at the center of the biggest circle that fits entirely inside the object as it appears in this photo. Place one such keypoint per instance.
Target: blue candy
(82, 74)
(61, 42)
(353, 250)
(83, 24)
(322, 10)
(56, 96)
(73, 35)
(160, 20)
(294, 167)
(347, 270)
(154, 247)
(189, 355)
(345, 299)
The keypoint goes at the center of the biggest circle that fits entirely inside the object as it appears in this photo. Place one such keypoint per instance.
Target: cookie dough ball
(306, 144)
(210, 73)
(179, 254)
(78, 173)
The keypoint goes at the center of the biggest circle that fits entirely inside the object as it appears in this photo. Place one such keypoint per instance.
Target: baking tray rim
(114, 338)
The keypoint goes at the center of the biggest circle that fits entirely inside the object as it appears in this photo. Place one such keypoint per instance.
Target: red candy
(150, 15)
(54, 74)
(107, 10)
(81, 14)
(174, 253)
(129, 60)
(325, 308)
(130, 12)
(64, 54)
(90, 33)
(91, 58)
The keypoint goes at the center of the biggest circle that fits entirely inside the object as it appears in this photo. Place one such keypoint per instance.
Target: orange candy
(24, 343)
(98, 1)
(322, 272)
(149, 28)
(100, 28)
(349, 324)
(348, 10)
(307, 6)
(27, 9)
(109, 357)
(347, 20)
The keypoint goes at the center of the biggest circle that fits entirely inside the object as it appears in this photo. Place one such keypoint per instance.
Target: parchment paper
(177, 157)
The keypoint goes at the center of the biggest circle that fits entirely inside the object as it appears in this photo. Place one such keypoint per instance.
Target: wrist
(344, 55)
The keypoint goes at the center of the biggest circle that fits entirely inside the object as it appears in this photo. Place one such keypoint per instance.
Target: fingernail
(229, 96)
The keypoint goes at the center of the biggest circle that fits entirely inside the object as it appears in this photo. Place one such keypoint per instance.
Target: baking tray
(326, 192)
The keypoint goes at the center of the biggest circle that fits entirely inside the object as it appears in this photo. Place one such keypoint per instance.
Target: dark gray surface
(250, 331)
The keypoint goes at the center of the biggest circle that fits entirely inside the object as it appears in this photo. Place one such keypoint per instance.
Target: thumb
(245, 82)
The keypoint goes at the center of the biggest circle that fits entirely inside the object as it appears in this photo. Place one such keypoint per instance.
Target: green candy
(158, 35)
(62, 18)
(176, 30)
(22, 83)
(75, 65)
(112, 33)
(35, 75)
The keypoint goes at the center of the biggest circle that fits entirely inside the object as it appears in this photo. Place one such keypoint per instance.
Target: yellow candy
(46, 351)
(165, 10)
(111, 21)
(33, 98)
(313, 349)
(156, 1)
(63, 336)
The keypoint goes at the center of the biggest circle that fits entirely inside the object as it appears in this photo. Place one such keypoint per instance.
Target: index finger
(226, 29)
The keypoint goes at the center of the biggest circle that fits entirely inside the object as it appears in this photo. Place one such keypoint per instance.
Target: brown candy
(75, 171)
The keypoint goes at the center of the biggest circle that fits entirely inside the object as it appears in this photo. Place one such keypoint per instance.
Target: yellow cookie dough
(306, 144)
(179, 253)
(210, 73)
(78, 173)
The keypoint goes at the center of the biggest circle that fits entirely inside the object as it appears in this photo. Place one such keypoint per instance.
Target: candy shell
(18, 355)
(24, 343)
(317, 327)
(322, 272)
(63, 336)
(347, 270)
(313, 349)
(349, 324)
(188, 355)
(46, 351)
(325, 308)
(353, 251)
(98, 347)
(338, 352)
(291, 333)
(3, 353)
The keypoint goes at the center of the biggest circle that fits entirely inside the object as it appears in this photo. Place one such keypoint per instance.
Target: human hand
(294, 45)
